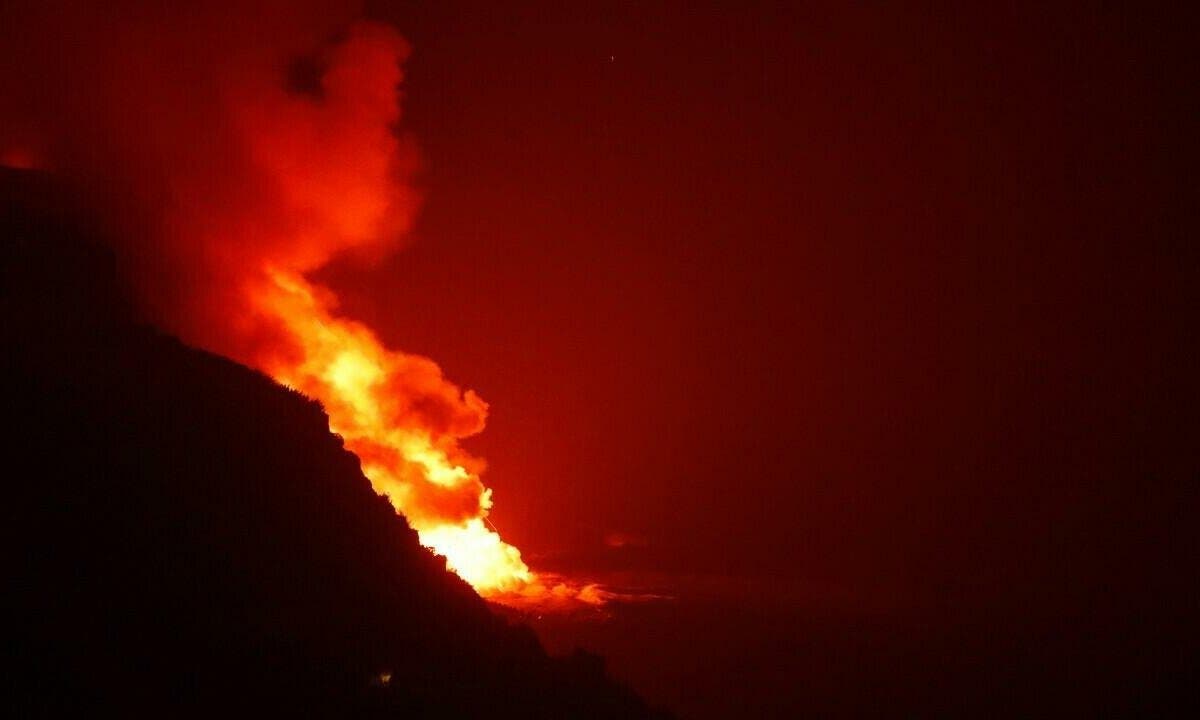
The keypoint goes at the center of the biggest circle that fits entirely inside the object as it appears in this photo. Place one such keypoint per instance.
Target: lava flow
(395, 411)
(378, 401)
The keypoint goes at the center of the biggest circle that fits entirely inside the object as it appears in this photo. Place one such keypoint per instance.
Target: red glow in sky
(798, 315)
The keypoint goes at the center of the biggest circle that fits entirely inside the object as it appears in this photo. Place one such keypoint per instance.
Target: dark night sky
(866, 308)
(852, 296)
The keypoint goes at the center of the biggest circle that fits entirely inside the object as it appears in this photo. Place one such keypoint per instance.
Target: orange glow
(247, 184)
(333, 162)
(370, 394)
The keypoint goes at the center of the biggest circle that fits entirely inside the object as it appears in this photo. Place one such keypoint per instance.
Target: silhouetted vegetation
(188, 538)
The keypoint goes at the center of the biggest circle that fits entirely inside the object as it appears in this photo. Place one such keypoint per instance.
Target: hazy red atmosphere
(861, 338)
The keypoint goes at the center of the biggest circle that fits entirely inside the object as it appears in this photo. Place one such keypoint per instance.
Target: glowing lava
(403, 419)
(395, 411)
(375, 398)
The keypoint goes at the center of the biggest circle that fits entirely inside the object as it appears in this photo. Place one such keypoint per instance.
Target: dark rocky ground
(185, 537)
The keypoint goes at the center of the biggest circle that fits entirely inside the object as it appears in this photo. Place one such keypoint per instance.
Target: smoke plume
(231, 151)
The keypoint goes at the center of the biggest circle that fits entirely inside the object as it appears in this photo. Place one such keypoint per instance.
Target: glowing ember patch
(478, 556)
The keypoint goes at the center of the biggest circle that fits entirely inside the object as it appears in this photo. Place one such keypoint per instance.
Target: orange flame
(372, 396)
(235, 175)
(395, 411)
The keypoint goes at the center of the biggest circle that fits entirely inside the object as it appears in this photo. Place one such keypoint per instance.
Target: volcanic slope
(186, 537)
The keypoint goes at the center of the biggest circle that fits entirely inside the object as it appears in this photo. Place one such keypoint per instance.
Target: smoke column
(231, 152)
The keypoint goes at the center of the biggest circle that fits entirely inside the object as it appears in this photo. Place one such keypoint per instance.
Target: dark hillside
(185, 537)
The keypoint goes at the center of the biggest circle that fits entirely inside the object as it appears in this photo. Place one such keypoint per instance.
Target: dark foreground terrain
(186, 538)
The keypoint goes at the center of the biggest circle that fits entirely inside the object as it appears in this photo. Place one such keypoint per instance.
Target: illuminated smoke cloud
(232, 151)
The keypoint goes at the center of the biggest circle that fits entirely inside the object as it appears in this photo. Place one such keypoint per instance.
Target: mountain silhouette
(186, 537)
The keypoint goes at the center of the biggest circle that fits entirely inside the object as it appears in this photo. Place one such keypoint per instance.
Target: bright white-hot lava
(403, 420)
